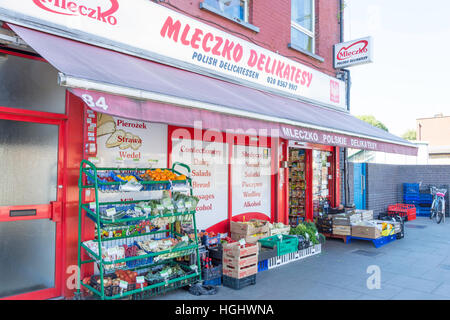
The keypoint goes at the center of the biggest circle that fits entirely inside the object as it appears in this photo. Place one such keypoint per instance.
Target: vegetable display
(142, 242)
(308, 231)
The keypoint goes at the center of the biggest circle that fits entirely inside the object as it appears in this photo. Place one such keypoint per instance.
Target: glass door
(31, 192)
(322, 177)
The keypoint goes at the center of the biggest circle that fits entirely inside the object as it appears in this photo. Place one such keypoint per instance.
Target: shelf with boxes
(139, 247)
(297, 186)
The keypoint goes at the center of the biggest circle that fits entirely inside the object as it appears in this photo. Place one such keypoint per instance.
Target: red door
(31, 193)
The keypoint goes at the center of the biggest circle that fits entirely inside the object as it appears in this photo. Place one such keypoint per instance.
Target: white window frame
(309, 33)
(246, 12)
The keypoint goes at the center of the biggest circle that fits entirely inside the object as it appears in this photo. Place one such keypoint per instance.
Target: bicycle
(438, 205)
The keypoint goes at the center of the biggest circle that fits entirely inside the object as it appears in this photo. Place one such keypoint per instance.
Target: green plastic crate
(285, 245)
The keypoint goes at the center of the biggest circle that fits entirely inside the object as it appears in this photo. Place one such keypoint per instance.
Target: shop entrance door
(359, 185)
(31, 193)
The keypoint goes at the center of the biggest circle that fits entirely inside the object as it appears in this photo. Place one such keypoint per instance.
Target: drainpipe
(347, 80)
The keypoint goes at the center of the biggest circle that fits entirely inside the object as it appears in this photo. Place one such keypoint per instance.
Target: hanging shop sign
(169, 37)
(209, 172)
(352, 53)
(251, 180)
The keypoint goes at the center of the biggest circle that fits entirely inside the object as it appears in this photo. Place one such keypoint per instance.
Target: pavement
(415, 267)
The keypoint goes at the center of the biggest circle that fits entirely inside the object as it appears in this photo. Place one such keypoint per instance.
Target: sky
(408, 78)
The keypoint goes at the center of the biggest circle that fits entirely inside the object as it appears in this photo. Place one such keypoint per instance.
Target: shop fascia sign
(353, 53)
(327, 138)
(152, 31)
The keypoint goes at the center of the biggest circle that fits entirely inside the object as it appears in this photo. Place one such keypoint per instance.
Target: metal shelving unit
(89, 179)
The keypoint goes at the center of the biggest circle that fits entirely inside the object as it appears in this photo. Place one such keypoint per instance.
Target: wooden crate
(342, 230)
(240, 261)
(240, 272)
(234, 250)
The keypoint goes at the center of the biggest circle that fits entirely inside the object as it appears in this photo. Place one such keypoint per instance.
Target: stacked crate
(421, 199)
(411, 193)
(240, 265)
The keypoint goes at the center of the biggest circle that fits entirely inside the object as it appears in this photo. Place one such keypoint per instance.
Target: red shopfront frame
(237, 139)
(54, 210)
(334, 189)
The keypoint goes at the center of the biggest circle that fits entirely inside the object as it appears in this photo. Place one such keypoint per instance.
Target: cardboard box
(346, 219)
(342, 230)
(275, 231)
(397, 226)
(366, 215)
(248, 238)
(239, 272)
(248, 229)
(366, 231)
(235, 250)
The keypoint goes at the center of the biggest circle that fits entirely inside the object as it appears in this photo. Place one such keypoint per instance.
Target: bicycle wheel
(439, 212)
(433, 209)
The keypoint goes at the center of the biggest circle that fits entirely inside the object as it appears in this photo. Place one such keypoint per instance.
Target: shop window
(321, 177)
(233, 9)
(302, 25)
(30, 84)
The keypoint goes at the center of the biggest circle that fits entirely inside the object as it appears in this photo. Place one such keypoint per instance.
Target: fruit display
(127, 177)
(111, 180)
(161, 175)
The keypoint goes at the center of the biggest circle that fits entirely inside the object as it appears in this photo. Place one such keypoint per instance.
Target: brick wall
(385, 182)
(273, 18)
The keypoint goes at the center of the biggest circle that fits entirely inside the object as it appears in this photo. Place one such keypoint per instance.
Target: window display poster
(208, 162)
(124, 143)
(130, 143)
(251, 180)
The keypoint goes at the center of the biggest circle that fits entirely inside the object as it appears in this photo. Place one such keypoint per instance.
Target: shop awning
(140, 89)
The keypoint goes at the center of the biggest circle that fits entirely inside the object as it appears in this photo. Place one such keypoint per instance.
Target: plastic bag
(198, 289)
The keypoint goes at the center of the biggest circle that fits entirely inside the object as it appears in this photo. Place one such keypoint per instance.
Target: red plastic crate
(411, 216)
(403, 210)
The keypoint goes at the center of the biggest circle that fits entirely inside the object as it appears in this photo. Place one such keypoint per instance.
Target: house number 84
(100, 103)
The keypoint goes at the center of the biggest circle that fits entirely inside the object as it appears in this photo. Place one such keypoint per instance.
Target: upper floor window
(234, 9)
(302, 24)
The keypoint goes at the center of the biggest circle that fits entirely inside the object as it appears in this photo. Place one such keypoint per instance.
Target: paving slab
(416, 267)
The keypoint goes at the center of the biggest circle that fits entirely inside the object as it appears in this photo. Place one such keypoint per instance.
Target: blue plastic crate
(411, 197)
(263, 265)
(414, 202)
(210, 241)
(377, 242)
(213, 282)
(410, 187)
